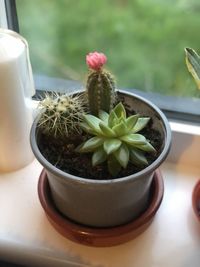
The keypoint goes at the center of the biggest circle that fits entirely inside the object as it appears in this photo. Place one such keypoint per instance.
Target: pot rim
(148, 170)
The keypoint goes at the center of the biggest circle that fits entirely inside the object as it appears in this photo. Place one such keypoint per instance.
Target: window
(143, 39)
(3, 19)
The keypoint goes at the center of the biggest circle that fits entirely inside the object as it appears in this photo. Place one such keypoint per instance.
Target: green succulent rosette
(116, 139)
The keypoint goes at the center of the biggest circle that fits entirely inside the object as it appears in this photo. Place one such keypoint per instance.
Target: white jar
(16, 89)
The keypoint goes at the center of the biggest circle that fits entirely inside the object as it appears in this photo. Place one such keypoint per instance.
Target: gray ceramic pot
(106, 203)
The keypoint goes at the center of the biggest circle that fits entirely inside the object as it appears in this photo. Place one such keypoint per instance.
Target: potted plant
(193, 65)
(100, 149)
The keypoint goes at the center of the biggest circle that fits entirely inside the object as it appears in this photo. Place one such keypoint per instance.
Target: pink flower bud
(95, 60)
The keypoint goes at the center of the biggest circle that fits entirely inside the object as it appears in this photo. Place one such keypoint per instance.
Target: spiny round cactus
(61, 114)
(116, 139)
(100, 84)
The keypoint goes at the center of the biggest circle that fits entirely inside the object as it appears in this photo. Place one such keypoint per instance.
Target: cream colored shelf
(26, 236)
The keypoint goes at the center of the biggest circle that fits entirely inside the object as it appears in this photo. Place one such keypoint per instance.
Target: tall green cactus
(100, 85)
(193, 64)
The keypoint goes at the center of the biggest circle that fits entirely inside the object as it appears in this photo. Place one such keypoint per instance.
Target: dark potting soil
(61, 153)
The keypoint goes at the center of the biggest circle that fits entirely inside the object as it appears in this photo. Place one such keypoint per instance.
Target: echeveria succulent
(116, 139)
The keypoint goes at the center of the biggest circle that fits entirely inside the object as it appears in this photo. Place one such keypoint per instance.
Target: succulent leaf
(103, 116)
(131, 121)
(113, 165)
(106, 130)
(99, 156)
(93, 122)
(147, 147)
(140, 124)
(120, 111)
(92, 144)
(120, 129)
(86, 128)
(122, 155)
(112, 119)
(134, 139)
(137, 157)
(111, 145)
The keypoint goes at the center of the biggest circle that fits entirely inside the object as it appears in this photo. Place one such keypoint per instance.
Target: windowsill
(185, 144)
(26, 236)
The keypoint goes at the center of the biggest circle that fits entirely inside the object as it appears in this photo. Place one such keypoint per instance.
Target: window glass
(144, 40)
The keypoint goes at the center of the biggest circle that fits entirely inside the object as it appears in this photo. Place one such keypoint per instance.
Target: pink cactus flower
(96, 60)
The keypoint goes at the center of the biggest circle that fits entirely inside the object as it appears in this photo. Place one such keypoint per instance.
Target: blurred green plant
(145, 36)
(193, 64)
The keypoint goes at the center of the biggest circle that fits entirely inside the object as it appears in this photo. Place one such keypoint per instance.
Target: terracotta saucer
(100, 237)
(196, 199)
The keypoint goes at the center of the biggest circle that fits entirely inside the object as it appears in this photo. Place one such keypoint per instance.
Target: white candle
(16, 88)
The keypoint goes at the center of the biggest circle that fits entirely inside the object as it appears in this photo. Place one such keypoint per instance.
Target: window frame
(3, 18)
(11, 15)
(184, 154)
(175, 108)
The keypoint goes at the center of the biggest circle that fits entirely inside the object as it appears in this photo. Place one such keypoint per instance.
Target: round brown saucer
(196, 199)
(100, 237)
